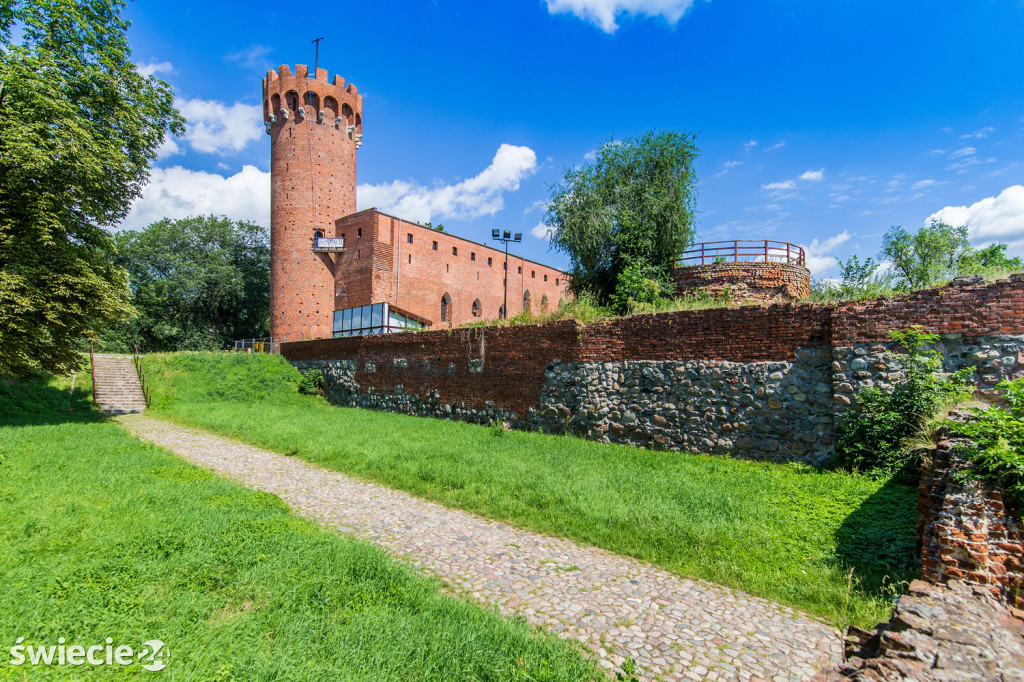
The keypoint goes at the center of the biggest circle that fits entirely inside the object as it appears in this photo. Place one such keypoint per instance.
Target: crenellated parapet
(305, 98)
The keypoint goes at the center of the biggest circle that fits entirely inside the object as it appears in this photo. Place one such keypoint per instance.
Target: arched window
(291, 98)
(331, 107)
(312, 101)
(477, 308)
(544, 303)
(446, 308)
(340, 290)
(346, 113)
(526, 301)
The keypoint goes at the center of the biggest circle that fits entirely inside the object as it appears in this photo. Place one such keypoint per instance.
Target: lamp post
(505, 237)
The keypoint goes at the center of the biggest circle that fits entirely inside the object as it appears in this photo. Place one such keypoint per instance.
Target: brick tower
(315, 127)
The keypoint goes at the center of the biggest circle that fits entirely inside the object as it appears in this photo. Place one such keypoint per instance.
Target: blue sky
(819, 123)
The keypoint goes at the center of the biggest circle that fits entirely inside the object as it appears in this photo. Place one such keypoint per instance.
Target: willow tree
(630, 209)
(79, 129)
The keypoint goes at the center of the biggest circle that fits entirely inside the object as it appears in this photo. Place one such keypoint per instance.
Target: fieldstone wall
(777, 411)
(992, 359)
(746, 282)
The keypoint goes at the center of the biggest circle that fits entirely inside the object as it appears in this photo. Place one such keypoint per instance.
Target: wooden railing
(137, 359)
(742, 251)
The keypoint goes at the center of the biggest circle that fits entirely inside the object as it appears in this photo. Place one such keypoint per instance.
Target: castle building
(337, 272)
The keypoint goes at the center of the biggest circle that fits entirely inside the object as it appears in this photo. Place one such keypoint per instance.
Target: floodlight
(507, 235)
(495, 234)
(519, 237)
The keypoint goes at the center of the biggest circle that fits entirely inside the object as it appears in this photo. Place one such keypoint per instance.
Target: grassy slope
(778, 531)
(104, 536)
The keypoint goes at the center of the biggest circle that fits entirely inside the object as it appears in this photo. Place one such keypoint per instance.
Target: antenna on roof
(316, 59)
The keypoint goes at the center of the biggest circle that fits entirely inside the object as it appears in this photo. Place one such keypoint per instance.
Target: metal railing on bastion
(742, 251)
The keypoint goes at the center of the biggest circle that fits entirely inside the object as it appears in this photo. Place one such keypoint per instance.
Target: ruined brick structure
(746, 282)
(435, 279)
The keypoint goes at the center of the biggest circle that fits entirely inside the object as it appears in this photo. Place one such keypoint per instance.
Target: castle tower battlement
(315, 128)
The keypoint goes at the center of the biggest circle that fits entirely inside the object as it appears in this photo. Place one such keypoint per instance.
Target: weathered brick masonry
(762, 382)
(966, 530)
(746, 281)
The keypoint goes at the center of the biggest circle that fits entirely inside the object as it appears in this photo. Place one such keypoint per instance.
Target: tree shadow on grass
(35, 401)
(879, 539)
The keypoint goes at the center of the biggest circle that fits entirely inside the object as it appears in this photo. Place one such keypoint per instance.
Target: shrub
(640, 284)
(997, 456)
(872, 437)
(312, 382)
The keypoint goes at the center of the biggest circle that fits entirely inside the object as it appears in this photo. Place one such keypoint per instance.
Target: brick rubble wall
(966, 531)
(763, 282)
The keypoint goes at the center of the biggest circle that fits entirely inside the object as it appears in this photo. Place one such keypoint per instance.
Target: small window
(446, 306)
(472, 255)
(520, 270)
(359, 232)
(435, 246)
(489, 261)
(410, 257)
(533, 274)
(545, 278)
(455, 251)
(408, 237)
(446, 267)
(504, 266)
(556, 281)
(477, 308)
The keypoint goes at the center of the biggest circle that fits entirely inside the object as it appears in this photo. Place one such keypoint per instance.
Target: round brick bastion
(769, 282)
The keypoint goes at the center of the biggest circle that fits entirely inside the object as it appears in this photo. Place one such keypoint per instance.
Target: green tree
(939, 252)
(633, 205)
(79, 128)
(198, 283)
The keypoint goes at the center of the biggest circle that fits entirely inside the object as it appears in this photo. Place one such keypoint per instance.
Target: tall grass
(104, 536)
(787, 533)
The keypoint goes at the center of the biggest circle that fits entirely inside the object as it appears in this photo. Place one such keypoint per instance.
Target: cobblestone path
(673, 628)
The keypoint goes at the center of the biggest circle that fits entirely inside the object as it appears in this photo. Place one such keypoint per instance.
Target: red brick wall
(766, 282)
(301, 286)
(969, 310)
(511, 373)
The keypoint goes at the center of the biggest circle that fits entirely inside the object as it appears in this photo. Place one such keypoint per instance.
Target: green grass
(784, 532)
(103, 536)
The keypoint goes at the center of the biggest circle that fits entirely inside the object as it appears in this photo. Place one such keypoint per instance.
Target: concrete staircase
(117, 387)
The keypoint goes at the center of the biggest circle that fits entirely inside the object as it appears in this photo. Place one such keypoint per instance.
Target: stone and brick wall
(764, 382)
(966, 530)
(743, 281)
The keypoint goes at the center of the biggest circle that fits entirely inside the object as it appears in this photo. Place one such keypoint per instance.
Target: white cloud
(778, 145)
(965, 151)
(604, 13)
(779, 186)
(813, 176)
(252, 57)
(215, 128)
(178, 192)
(966, 164)
(750, 145)
(817, 252)
(154, 68)
(727, 166)
(591, 155)
(979, 133)
(478, 196)
(541, 231)
(999, 218)
(169, 147)
(921, 184)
